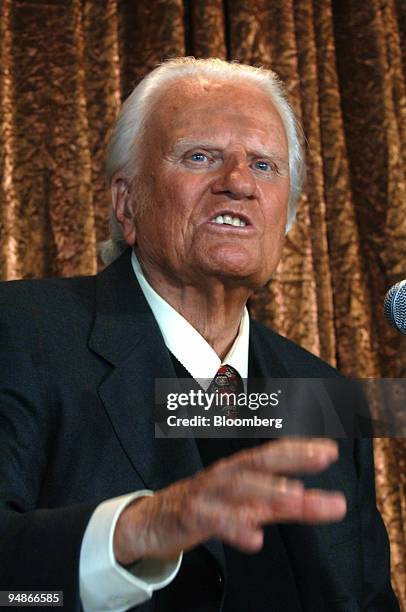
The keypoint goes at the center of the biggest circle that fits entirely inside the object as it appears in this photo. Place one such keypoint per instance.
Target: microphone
(395, 306)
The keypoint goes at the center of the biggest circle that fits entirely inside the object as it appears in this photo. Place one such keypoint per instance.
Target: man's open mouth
(228, 220)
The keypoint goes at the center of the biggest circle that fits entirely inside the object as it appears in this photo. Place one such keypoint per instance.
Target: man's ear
(123, 204)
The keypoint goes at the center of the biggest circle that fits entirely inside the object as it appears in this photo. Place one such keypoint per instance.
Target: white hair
(122, 150)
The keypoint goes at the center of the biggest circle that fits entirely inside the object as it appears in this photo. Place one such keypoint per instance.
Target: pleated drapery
(65, 65)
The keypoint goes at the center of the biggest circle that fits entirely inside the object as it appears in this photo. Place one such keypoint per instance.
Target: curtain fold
(65, 66)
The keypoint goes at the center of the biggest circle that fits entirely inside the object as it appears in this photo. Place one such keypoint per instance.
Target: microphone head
(395, 306)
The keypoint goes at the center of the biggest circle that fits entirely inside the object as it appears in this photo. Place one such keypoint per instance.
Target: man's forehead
(193, 86)
(199, 92)
(180, 105)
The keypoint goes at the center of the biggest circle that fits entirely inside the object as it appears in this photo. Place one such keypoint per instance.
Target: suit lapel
(126, 334)
(264, 360)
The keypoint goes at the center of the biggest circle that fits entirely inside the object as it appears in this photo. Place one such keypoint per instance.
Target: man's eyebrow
(269, 153)
(184, 144)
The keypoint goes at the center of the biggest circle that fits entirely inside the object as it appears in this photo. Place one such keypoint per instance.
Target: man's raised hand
(231, 500)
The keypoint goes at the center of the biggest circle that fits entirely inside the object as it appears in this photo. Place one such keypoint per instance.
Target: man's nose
(236, 180)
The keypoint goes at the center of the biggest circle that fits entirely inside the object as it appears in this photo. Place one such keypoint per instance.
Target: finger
(247, 540)
(287, 456)
(323, 507)
(239, 523)
(259, 486)
(235, 526)
(315, 506)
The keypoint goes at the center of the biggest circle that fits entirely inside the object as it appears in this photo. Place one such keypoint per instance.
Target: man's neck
(216, 316)
(214, 310)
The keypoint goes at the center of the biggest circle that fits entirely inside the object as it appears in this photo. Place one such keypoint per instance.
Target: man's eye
(198, 157)
(263, 166)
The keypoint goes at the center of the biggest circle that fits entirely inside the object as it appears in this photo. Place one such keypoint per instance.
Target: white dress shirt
(104, 583)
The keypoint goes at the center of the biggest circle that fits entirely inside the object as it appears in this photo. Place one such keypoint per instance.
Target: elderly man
(205, 167)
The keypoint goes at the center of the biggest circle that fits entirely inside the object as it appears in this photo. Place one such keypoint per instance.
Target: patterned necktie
(228, 384)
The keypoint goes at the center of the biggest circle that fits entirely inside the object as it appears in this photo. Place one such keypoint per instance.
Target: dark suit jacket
(78, 359)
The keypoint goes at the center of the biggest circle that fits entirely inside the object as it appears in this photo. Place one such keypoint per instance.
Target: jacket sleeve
(39, 547)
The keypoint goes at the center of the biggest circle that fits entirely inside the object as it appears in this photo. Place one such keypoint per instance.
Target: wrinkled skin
(210, 149)
(231, 500)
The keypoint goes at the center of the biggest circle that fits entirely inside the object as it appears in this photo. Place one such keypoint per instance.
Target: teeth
(229, 220)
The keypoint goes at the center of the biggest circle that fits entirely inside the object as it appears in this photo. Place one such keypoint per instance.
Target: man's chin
(248, 277)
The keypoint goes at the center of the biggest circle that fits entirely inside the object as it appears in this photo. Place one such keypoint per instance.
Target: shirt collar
(185, 342)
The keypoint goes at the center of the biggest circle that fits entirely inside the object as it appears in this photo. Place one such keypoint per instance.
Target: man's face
(215, 164)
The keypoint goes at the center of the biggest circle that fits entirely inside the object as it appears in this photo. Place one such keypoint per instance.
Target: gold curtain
(66, 64)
